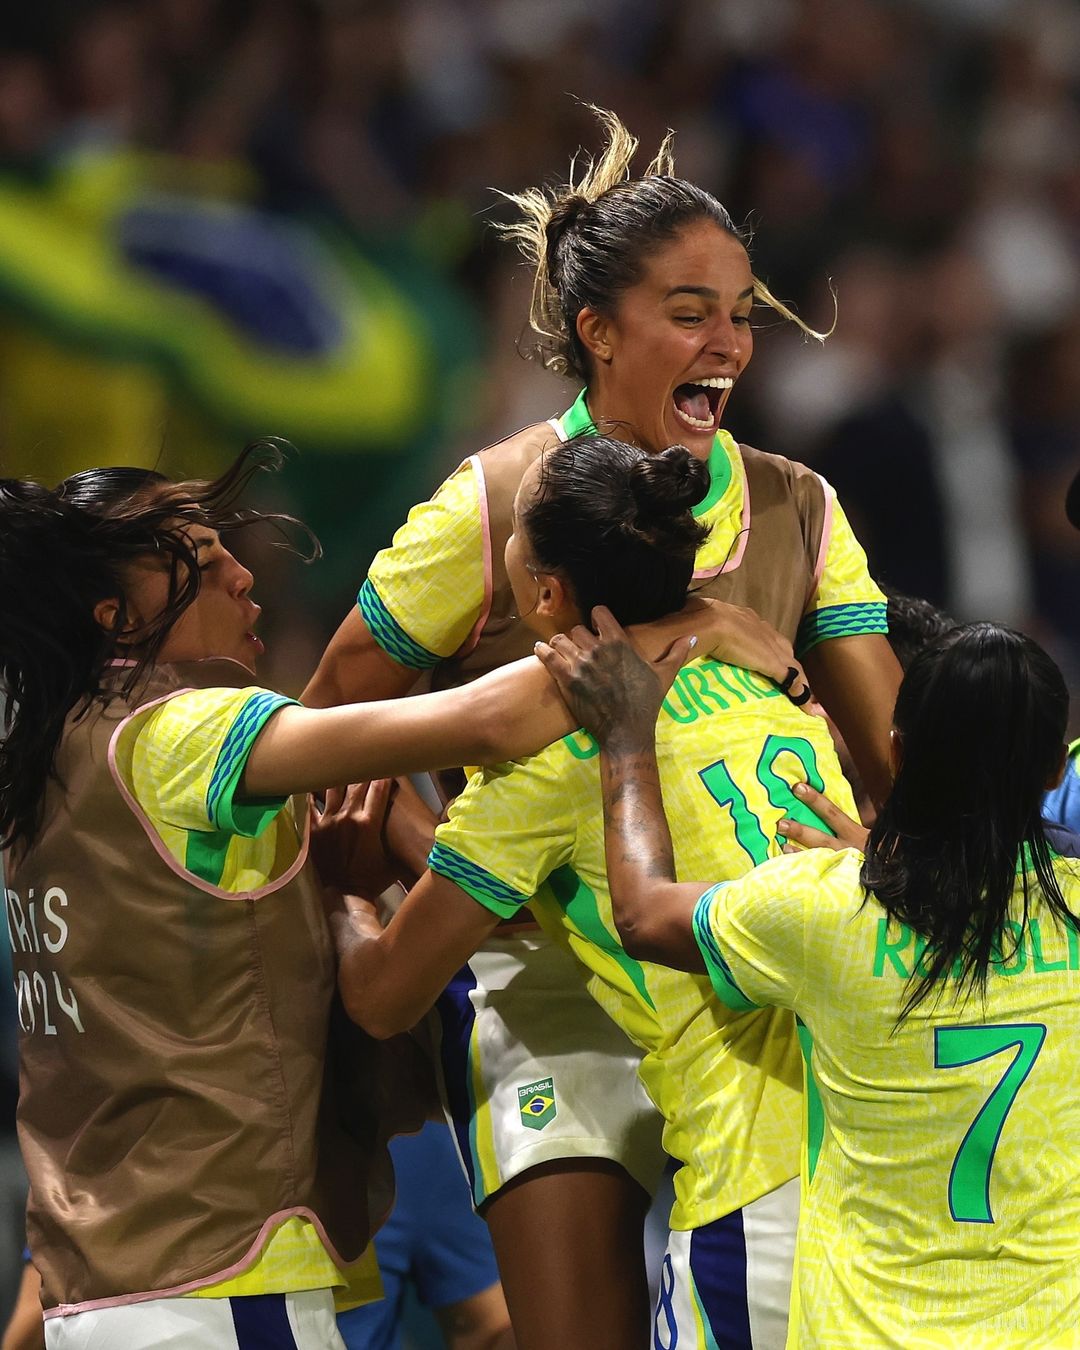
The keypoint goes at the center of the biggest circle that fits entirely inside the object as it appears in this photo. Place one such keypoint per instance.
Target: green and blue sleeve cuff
(836, 621)
(485, 889)
(251, 817)
(718, 970)
(390, 635)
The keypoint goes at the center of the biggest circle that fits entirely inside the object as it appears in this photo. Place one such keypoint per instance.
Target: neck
(600, 406)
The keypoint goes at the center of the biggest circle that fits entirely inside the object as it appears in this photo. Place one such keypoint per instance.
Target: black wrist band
(785, 684)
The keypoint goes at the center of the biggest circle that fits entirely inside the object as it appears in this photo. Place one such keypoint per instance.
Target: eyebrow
(706, 292)
(205, 541)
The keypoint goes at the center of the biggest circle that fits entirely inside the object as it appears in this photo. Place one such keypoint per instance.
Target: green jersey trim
(719, 477)
(815, 1109)
(250, 817)
(837, 621)
(578, 902)
(485, 889)
(206, 853)
(577, 420)
(390, 635)
(719, 972)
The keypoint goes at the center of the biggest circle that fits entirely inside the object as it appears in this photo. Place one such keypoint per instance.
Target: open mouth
(698, 402)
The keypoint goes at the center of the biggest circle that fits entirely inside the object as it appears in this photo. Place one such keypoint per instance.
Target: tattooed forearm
(653, 911)
(638, 840)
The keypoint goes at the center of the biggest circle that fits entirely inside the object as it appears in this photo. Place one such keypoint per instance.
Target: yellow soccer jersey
(944, 1202)
(425, 594)
(730, 746)
(181, 761)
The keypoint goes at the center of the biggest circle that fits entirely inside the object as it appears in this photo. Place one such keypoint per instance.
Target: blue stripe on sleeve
(484, 888)
(718, 970)
(835, 621)
(237, 743)
(390, 635)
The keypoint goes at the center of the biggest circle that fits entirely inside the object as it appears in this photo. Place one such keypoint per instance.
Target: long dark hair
(589, 241)
(617, 523)
(64, 549)
(982, 714)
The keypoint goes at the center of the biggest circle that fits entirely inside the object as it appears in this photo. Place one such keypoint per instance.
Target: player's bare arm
(857, 678)
(390, 977)
(617, 696)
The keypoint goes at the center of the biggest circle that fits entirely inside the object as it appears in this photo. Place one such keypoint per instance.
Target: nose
(729, 340)
(240, 579)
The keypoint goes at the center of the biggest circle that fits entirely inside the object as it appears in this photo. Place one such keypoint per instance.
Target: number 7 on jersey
(954, 1047)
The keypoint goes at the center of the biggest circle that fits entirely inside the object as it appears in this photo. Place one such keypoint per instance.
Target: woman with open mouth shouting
(644, 291)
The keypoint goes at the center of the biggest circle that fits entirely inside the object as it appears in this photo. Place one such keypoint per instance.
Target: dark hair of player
(588, 241)
(616, 522)
(64, 549)
(913, 624)
(981, 715)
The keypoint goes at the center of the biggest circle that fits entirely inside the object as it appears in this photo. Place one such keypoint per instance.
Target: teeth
(695, 421)
(714, 382)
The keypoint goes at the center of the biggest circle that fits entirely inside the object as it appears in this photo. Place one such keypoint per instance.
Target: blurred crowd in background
(289, 205)
(222, 219)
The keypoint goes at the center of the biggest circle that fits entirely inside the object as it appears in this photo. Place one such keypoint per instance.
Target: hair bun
(668, 484)
(564, 214)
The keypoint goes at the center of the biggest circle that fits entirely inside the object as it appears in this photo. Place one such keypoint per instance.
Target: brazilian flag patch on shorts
(537, 1104)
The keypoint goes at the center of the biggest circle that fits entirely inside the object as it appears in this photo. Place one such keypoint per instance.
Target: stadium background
(220, 220)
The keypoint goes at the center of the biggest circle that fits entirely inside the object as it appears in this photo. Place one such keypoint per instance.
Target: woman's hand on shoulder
(738, 636)
(612, 690)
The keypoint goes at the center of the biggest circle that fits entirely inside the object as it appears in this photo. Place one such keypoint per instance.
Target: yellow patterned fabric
(847, 602)
(425, 593)
(730, 745)
(294, 1258)
(943, 1207)
(182, 760)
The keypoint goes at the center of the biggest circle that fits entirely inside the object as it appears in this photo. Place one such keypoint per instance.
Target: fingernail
(800, 789)
(782, 827)
(693, 642)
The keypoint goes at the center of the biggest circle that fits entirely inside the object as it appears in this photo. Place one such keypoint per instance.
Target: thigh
(727, 1285)
(570, 1245)
(533, 1070)
(299, 1321)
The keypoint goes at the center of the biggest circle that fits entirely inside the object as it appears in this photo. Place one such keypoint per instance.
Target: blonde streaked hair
(588, 239)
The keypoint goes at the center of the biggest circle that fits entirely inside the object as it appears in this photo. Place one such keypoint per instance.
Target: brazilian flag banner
(262, 322)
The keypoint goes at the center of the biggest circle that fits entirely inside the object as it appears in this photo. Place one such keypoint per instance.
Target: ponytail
(587, 242)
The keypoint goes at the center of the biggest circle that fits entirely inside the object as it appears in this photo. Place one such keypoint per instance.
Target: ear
(552, 595)
(594, 330)
(107, 614)
(1059, 773)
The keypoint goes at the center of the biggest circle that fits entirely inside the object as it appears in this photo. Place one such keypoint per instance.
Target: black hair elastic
(785, 684)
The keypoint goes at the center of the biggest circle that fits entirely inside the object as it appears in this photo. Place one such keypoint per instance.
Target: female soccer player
(189, 1182)
(597, 519)
(936, 968)
(644, 292)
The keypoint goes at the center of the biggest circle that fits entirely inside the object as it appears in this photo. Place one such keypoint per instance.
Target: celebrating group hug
(722, 878)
